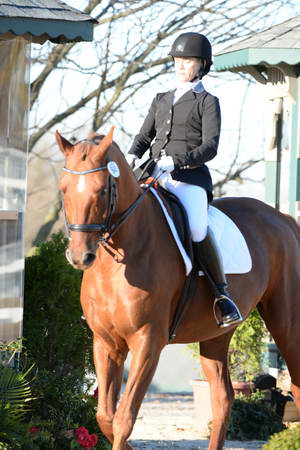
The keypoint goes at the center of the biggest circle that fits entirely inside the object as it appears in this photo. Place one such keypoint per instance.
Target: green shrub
(56, 338)
(58, 432)
(246, 350)
(251, 418)
(286, 440)
(247, 347)
(58, 341)
(55, 335)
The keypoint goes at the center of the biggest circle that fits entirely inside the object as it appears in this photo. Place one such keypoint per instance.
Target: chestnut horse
(132, 282)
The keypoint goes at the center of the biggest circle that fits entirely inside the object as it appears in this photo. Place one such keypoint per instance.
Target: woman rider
(182, 130)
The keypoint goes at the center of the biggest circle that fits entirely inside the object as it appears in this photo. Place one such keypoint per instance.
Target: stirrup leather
(224, 324)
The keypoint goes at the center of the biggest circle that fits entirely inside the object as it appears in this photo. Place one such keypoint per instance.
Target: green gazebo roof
(41, 20)
(268, 55)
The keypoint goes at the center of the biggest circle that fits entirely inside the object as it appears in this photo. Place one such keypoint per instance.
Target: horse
(133, 278)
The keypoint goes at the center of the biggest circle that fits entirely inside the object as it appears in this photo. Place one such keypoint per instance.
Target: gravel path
(166, 422)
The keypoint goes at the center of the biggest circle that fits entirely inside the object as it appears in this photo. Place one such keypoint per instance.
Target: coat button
(168, 121)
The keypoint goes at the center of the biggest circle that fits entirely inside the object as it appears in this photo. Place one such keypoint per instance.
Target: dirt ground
(165, 421)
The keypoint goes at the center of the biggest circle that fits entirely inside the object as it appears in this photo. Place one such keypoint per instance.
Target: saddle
(177, 211)
(232, 244)
(179, 216)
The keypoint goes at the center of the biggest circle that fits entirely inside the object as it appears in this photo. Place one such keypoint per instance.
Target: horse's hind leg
(282, 317)
(109, 369)
(215, 367)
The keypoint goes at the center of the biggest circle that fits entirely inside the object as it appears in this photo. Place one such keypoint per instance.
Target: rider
(185, 126)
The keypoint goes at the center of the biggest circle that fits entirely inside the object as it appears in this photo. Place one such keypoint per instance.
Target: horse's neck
(137, 233)
(128, 190)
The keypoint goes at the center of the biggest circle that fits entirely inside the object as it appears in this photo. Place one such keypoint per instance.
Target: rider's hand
(131, 159)
(166, 164)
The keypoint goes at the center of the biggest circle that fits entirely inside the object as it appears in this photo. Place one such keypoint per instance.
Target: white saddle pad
(231, 242)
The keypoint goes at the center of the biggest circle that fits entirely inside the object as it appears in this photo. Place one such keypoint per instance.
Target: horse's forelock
(86, 147)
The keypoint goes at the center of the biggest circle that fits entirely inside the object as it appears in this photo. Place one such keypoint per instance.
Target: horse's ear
(106, 142)
(65, 146)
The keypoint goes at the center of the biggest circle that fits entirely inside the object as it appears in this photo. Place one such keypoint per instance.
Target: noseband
(102, 228)
(106, 229)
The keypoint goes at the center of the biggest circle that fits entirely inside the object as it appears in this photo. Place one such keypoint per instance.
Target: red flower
(95, 395)
(34, 429)
(81, 431)
(85, 439)
(93, 439)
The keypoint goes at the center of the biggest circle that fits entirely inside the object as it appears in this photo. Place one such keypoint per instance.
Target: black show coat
(188, 131)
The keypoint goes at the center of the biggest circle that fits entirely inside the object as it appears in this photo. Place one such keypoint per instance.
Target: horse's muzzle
(81, 261)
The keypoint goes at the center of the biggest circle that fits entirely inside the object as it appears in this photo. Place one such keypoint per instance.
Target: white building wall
(14, 100)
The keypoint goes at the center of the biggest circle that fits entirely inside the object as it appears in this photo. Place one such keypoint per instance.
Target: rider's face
(186, 68)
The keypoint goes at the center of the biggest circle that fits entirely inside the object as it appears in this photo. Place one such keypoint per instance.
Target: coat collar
(188, 96)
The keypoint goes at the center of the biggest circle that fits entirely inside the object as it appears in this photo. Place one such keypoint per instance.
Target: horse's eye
(103, 192)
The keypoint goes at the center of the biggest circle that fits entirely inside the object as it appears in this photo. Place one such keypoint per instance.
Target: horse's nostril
(88, 258)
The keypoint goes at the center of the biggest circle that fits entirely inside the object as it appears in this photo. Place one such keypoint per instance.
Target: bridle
(101, 228)
(106, 229)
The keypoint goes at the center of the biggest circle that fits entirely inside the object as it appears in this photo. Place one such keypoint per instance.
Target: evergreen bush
(251, 418)
(246, 350)
(55, 335)
(286, 440)
(58, 341)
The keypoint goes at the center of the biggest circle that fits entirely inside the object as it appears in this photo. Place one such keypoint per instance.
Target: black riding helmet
(193, 45)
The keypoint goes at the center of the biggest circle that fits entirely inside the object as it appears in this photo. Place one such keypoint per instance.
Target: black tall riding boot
(209, 260)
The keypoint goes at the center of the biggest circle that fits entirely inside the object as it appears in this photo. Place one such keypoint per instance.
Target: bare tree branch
(234, 175)
(130, 51)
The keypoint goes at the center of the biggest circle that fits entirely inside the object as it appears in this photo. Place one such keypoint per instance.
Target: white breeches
(194, 199)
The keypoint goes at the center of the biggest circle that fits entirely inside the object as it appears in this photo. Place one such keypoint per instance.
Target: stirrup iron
(234, 321)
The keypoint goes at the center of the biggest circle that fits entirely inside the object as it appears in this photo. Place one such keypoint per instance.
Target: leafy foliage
(251, 418)
(12, 346)
(56, 338)
(15, 393)
(247, 347)
(54, 333)
(286, 440)
(58, 341)
(72, 411)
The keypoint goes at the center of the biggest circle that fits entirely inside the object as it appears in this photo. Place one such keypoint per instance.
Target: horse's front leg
(215, 367)
(145, 355)
(109, 369)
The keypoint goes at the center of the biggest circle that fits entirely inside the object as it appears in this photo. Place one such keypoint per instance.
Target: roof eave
(256, 56)
(38, 31)
(258, 62)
